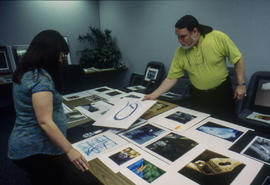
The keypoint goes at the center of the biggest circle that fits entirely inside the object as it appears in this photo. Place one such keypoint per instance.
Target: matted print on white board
(212, 166)
(171, 147)
(91, 147)
(179, 119)
(75, 96)
(145, 170)
(135, 95)
(124, 114)
(215, 132)
(122, 157)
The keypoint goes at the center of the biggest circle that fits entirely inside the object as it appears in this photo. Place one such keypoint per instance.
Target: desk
(108, 177)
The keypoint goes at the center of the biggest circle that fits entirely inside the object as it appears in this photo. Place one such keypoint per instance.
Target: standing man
(202, 55)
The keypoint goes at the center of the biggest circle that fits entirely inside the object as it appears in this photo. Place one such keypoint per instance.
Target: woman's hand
(77, 159)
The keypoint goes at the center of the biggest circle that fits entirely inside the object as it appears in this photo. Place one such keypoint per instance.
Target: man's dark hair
(43, 53)
(190, 22)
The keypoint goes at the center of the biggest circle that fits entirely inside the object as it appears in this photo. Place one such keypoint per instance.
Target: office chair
(257, 101)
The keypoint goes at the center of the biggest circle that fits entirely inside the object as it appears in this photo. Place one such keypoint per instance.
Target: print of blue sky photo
(143, 134)
(220, 131)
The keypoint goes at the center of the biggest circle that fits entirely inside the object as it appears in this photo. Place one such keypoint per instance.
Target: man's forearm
(165, 86)
(240, 71)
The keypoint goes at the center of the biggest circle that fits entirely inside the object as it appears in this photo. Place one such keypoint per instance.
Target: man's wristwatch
(241, 84)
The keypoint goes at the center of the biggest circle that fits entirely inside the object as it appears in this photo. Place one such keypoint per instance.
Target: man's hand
(149, 97)
(240, 92)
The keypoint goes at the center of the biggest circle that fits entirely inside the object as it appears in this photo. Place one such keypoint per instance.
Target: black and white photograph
(181, 117)
(75, 116)
(259, 149)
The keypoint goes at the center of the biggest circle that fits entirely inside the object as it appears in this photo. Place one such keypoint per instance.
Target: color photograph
(172, 146)
(143, 134)
(124, 156)
(181, 117)
(83, 131)
(259, 149)
(220, 131)
(146, 170)
(113, 93)
(75, 116)
(212, 169)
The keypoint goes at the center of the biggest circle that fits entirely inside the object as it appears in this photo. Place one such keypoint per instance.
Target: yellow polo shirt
(205, 63)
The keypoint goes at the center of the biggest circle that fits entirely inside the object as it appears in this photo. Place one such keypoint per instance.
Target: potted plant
(102, 51)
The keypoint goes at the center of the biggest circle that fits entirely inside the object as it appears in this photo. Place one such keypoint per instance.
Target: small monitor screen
(151, 74)
(262, 97)
(3, 61)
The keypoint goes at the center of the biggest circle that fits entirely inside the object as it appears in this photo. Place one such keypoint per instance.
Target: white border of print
(246, 176)
(108, 97)
(174, 125)
(248, 146)
(120, 142)
(211, 140)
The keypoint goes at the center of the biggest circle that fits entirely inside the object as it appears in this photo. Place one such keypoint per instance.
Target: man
(202, 55)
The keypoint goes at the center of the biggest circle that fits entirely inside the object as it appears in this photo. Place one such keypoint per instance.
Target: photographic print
(75, 96)
(158, 108)
(95, 110)
(259, 117)
(146, 170)
(220, 131)
(94, 98)
(151, 74)
(259, 149)
(75, 116)
(181, 117)
(124, 155)
(172, 146)
(212, 169)
(143, 134)
(83, 131)
(113, 93)
(102, 89)
(266, 181)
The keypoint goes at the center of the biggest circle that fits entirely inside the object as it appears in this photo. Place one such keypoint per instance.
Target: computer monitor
(260, 101)
(5, 65)
(18, 52)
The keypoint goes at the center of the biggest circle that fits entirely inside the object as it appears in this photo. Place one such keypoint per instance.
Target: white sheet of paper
(95, 110)
(181, 118)
(91, 147)
(259, 117)
(218, 133)
(245, 176)
(124, 114)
